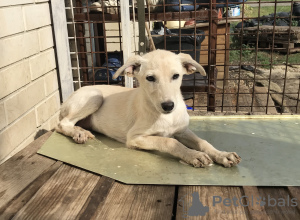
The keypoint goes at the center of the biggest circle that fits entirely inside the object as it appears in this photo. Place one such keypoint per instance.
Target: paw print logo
(197, 207)
(261, 201)
(193, 208)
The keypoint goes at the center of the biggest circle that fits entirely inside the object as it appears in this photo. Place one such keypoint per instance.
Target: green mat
(269, 148)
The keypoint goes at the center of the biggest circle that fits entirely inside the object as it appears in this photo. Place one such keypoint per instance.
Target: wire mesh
(250, 49)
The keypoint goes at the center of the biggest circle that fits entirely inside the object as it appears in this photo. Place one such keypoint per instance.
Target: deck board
(206, 196)
(16, 204)
(295, 193)
(137, 202)
(256, 212)
(152, 202)
(97, 198)
(118, 202)
(22, 169)
(62, 197)
(276, 195)
(36, 187)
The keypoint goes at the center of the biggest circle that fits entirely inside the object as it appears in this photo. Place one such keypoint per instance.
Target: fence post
(126, 37)
(62, 48)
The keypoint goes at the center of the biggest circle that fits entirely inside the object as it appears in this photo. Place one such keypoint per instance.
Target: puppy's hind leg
(80, 105)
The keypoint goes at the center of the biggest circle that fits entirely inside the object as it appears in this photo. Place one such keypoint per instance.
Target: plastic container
(234, 11)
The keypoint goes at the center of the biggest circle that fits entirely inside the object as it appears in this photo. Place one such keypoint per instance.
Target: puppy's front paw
(228, 159)
(198, 159)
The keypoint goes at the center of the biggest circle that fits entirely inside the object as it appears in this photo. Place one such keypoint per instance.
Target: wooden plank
(275, 210)
(152, 202)
(219, 47)
(256, 212)
(22, 169)
(118, 202)
(207, 195)
(62, 48)
(219, 59)
(169, 16)
(295, 193)
(218, 52)
(62, 197)
(220, 41)
(17, 203)
(97, 198)
(137, 202)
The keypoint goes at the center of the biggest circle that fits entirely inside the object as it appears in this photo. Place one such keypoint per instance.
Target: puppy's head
(160, 75)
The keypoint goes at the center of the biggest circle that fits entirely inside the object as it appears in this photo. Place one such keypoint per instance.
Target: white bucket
(234, 11)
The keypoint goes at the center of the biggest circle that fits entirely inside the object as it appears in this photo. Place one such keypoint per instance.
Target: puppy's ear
(191, 65)
(130, 68)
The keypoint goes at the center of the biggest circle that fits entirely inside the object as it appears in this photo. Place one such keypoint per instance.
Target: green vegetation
(247, 52)
(266, 10)
(263, 57)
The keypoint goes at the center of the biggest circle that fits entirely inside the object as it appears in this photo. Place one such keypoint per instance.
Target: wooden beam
(62, 48)
(168, 16)
(126, 37)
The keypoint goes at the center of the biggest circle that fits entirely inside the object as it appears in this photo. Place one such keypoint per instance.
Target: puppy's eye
(150, 78)
(175, 76)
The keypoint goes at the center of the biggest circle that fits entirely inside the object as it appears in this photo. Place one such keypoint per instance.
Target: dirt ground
(280, 94)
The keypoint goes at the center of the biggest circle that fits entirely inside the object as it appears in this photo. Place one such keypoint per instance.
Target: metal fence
(250, 49)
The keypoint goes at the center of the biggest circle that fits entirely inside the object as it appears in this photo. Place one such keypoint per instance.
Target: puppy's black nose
(167, 106)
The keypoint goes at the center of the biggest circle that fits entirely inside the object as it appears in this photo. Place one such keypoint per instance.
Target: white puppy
(151, 117)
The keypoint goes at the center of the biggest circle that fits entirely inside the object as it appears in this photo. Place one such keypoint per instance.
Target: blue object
(189, 108)
(113, 64)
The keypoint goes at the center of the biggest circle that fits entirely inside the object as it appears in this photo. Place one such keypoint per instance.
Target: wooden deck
(36, 187)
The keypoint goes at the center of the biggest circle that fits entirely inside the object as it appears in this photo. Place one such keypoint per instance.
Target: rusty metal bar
(100, 20)
(256, 51)
(91, 42)
(298, 97)
(142, 35)
(287, 60)
(271, 60)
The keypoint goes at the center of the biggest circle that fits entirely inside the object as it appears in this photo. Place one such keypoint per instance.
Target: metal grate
(251, 49)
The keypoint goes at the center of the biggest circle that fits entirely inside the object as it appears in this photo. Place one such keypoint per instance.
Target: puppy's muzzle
(167, 106)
